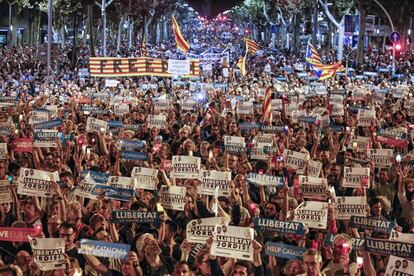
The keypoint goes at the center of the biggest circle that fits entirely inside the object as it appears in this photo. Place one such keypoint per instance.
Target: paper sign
(313, 214)
(313, 187)
(233, 241)
(179, 67)
(104, 249)
(111, 83)
(93, 125)
(121, 109)
(36, 183)
(145, 178)
(285, 251)
(173, 197)
(3, 151)
(355, 177)
(200, 230)
(366, 118)
(348, 206)
(5, 192)
(210, 180)
(185, 167)
(399, 267)
(157, 121)
(382, 158)
(245, 108)
(132, 216)
(296, 161)
(48, 254)
(314, 168)
(278, 226)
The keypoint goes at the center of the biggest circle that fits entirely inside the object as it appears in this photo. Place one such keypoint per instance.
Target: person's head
(293, 268)
(341, 245)
(182, 268)
(383, 176)
(5, 208)
(242, 268)
(67, 232)
(102, 235)
(29, 207)
(215, 131)
(270, 210)
(49, 160)
(67, 178)
(202, 263)
(97, 221)
(53, 225)
(23, 260)
(335, 170)
(147, 246)
(11, 270)
(184, 132)
(375, 207)
(127, 268)
(74, 212)
(313, 262)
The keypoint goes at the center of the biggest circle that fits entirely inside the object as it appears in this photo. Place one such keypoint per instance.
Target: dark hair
(100, 229)
(66, 174)
(172, 226)
(246, 264)
(67, 225)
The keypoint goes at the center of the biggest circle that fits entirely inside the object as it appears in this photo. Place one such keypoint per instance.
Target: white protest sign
(360, 143)
(296, 161)
(233, 241)
(157, 121)
(226, 72)
(5, 192)
(121, 182)
(366, 118)
(173, 197)
(145, 178)
(93, 124)
(348, 206)
(313, 214)
(210, 180)
(399, 267)
(313, 187)
(382, 158)
(314, 168)
(3, 151)
(162, 105)
(337, 109)
(39, 117)
(188, 105)
(265, 139)
(185, 167)
(355, 177)
(48, 254)
(179, 67)
(111, 83)
(244, 108)
(200, 230)
(121, 109)
(36, 183)
(257, 153)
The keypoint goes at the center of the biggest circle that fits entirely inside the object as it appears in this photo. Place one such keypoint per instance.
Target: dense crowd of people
(318, 134)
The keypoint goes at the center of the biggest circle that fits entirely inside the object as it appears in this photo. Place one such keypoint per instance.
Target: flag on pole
(251, 46)
(144, 52)
(267, 106)
(182, 44)
(241, 64)
(322, 71)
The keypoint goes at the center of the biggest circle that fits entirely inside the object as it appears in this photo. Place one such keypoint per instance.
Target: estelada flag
(182, 44)
(251, 46)
(267, 108)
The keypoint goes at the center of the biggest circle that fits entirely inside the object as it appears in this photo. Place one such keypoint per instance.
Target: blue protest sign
(134, 156)
(387, 247)
(278, 226)
(131, 144)
(285, 251)
(133, 216)
(116, 193)
(265, 179)
(115, 124)
(95, 176)
(248, 126)
(49, 124)
(380, 225)
(104, 249)
(273, 129)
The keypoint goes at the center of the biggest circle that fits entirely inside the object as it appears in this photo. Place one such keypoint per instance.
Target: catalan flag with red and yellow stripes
(251, 46)
(182, 44)
(267, 106)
